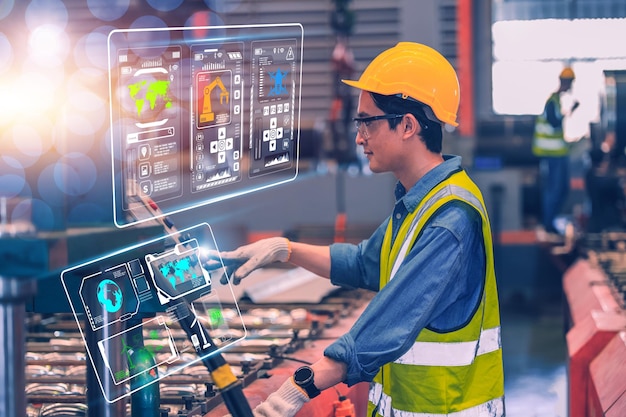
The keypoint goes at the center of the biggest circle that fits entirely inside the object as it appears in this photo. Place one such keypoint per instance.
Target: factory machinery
(148, 330)
(279, 337)
(593, 261)
(595, 291)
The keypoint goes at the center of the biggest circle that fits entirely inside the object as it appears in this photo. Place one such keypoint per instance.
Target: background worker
(429, 340)
(550, 146)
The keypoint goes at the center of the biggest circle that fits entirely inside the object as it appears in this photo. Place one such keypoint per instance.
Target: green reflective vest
(458, 373)
(548, 140)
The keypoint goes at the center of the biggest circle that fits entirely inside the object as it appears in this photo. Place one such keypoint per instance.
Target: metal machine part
(154, 290)
(276, 334)
(13, 293)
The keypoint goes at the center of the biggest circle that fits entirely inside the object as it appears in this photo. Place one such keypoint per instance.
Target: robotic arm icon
(207, 114)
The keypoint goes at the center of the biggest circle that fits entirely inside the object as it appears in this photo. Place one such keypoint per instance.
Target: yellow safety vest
(458, 373)
(548, 140)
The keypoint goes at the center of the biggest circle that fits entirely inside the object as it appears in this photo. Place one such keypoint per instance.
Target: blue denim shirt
(438, 285)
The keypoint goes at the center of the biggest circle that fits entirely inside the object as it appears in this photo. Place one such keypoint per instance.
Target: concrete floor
(535, 357)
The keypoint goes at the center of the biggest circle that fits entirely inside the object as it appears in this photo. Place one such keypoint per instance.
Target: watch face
(303, 375)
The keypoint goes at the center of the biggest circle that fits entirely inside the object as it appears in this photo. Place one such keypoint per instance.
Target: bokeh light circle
(204, 18)
(38, 76)
(91, 49)
(6, 53)
(42, 131)
(7, 162)
(143, 38)
(108, 10)
(11, 185)
(149, 21)
(165, 5)
(48, 45)
(22, 211)
(27, 140)
(223, 6)
(75, 174)
(42, 214)
(92, 79)
(86, 101)
(87, 112)
(79, 124)
(6, 6)
(45, 12)
(38, 83)
(48, 188)
(12, 177)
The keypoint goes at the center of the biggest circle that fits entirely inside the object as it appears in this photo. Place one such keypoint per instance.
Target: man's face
(380, 143)
(566, 84)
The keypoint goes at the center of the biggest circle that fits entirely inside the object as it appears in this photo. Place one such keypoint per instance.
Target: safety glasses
(362, 123)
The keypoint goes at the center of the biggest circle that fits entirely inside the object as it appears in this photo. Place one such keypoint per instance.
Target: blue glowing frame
(144, 311)
(201, 114)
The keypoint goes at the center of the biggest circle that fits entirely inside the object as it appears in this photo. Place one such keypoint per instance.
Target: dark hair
(432, 131)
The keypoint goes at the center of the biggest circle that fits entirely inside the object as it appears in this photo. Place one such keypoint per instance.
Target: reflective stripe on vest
(548, 140)
(545, 129)
(444, 372)
(444, 192)
(550, 144)
(451, 354)
(492, 408)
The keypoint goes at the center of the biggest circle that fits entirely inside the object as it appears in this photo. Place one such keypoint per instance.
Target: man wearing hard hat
(429, 340)
(550, 146)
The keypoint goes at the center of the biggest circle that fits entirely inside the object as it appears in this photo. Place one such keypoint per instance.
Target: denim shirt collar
(412, 197)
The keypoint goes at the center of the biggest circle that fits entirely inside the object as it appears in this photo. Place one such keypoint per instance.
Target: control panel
(155, 297)
(202, 114)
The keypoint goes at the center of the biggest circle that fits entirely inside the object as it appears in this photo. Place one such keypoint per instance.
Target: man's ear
(410, 125)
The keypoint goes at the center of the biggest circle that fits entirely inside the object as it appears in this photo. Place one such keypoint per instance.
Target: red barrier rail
(596, 318)
(607, 387)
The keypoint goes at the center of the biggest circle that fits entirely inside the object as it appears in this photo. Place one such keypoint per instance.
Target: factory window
(528, 55)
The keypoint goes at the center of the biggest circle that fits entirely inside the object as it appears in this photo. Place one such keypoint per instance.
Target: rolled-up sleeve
(431, 279)
(357, 266)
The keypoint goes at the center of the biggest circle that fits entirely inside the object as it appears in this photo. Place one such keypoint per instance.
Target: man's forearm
(311, 257)
(328, 372)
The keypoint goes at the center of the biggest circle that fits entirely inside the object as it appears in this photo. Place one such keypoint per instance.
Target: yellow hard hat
(417, 71)
(567, 74)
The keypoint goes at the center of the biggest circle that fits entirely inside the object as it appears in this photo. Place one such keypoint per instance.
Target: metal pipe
(13, 294)
(231, 388)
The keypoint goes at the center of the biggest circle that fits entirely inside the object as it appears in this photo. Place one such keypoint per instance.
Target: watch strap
(311, 390)
(309, 385)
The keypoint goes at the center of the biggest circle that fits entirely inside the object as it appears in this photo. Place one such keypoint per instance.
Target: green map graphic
(150, 91)
(177, 269)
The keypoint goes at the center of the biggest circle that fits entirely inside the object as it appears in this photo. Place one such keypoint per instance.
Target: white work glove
(285, 402)
(245, 259)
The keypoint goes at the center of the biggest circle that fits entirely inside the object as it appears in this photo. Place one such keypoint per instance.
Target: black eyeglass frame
(366, 121)
(358, 121)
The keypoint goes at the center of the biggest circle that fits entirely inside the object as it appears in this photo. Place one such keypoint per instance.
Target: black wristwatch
(303, 377)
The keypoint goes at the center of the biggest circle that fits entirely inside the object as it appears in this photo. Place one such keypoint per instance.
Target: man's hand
(285, 402)
(242, 261)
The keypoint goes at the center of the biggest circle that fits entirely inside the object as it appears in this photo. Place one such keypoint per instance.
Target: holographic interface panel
(202, 114)
(144, 312)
